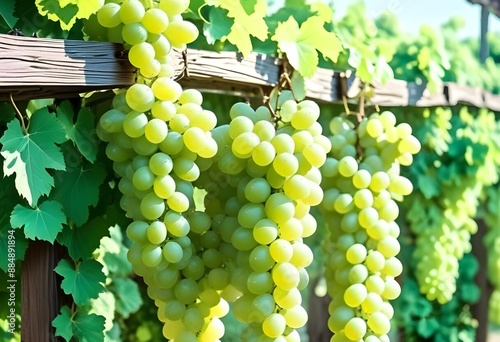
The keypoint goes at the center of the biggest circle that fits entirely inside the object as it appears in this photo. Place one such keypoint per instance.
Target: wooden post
(484, 49)
(317, 324)
(41, 294)
(480, 309)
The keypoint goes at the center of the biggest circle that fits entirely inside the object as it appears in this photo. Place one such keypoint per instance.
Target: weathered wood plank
(41, 294)
(41, 68)
(37, 68)
(227, 71)
(459, 93)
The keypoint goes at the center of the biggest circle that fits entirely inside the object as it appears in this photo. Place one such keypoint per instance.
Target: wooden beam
(45, 68)
(480, 309)
(38, 68)
(41, 294)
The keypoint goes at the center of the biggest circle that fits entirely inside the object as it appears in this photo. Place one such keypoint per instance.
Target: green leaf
(63, 324)
(128, 296)
(365, 70)
(83, 241)
(427, 327)
(7, 12)
(469, 266)
(245, 25)
(77, 190)
(34, 105)
(88, 328)
(82, 133)
(85, 327)
(218, 26)
(83, 282)
(104, 306)
(429, 187)
(301, 44)
(470, 293)
(298, 86)
(324, 11)
(55, 11)
(43, 222)
(30, 155)
(67, 11)
(114, 252)
(249, 6)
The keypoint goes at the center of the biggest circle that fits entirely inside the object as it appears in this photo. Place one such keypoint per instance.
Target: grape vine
(197, 205)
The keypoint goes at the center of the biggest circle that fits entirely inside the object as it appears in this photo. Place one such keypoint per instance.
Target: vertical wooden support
(41, 295)
(480, 309)
(484, 51)
(317, 324)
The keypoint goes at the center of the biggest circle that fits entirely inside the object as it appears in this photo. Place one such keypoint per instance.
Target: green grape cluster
(148, 33)
(260, 188)
(452, 184)
(443, 239)
(158, 137)
(494, 307)
(362, 181)
(492, 243)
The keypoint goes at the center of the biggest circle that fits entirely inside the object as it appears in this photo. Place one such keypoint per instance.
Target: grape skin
(359, 213)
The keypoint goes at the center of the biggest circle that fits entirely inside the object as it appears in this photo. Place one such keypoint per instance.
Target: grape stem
(361, 107)
(285, 82)
(346, 106)
(185, 69)
(17, 112)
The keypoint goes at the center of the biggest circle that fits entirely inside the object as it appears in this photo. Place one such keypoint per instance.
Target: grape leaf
(323, 10)
(298, 86)
(63, 324)
(82, 132)
(66, 12)
(128, 296)
(470, 293)
(43, 222)
(104, 306)
(84, 282)
(7, 12)
(114, 252)
(78, 189)
(427, 327)
(301, 44)
(30, 155)
(88, 328)
(245, 25)
(218, 26)
(83, 241)
(429, 187)
(84, 326)
(249, 6)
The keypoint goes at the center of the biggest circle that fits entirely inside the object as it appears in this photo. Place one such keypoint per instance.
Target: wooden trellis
(39, 68)
(33, 68)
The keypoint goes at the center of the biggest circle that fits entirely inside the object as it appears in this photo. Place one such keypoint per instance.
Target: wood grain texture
(37, 68)
(42, 68)
(41, 294)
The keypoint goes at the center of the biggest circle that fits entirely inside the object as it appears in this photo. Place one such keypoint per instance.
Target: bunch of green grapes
(443, 237)
(361, 181)
(260, 188)
(148, 33)
(494, 307)
(158, 137)
(492, 242)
